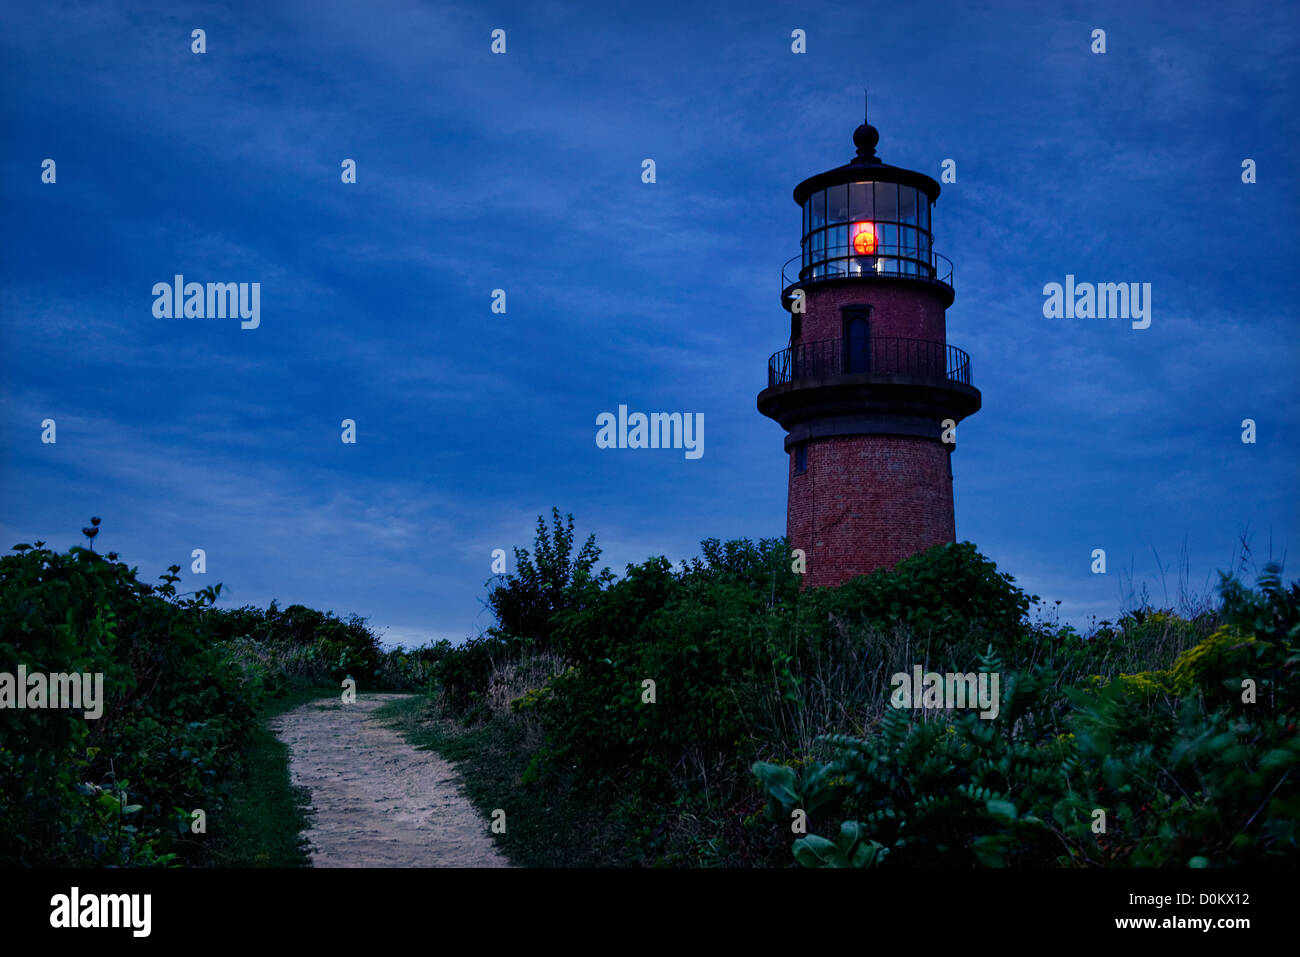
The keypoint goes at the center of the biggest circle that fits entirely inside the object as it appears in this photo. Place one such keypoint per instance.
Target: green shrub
(75, 791)
(331, 648)
(550, 580)
(948, 589)
(705, 635)
(462, 673)
(1186, 770)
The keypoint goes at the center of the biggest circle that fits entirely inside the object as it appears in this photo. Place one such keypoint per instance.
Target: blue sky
(522, 172)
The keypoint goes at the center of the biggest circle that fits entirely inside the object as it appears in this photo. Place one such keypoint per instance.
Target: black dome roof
(866, 166)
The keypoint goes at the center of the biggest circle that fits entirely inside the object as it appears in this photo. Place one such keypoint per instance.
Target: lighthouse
(868, 391)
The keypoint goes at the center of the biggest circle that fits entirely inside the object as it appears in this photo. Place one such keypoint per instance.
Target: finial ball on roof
(865, 138)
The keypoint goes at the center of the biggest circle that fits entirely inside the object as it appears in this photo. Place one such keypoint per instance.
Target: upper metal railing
(845, 262)
(886, 356)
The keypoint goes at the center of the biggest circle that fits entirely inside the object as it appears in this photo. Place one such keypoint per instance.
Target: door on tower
(857, 340)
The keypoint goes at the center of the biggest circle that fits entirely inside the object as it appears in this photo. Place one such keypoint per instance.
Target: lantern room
(865, 227)
(866, 219)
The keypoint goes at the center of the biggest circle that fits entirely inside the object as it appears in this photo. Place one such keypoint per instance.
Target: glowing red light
(864, 238)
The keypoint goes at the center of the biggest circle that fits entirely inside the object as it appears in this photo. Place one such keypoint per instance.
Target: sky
(522, 171)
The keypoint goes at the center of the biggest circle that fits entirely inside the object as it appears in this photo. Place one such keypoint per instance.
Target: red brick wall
(866, 502)
(903, 310)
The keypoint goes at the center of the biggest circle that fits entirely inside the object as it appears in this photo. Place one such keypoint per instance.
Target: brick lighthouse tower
(869, 389)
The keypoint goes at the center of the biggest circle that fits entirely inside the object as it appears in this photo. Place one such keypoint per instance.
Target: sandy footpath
(377, 801)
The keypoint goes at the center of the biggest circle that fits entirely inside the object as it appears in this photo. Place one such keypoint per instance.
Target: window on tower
(801, 458)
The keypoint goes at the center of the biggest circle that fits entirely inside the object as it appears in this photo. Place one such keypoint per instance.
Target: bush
(117, 790)
(948, 589)
(463, 673)
(720, 635)
(330, 649)
(702, 640)
(527, 604)
(1187, 767)
(545, 583)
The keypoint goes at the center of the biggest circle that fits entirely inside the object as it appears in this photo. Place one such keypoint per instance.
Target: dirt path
(379, 802)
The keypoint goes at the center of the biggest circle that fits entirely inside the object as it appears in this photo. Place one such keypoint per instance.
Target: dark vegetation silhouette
(694, 714)
(184, 684)
(770, 701)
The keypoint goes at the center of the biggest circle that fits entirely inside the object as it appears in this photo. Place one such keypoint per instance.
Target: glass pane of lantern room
(805, 243)
(837, 204)
(907, 205)
(906, 232)
(888, 263)
(923, 238)
(861, 209)
(817, 216)
(907, 240)
(837, 249)
(886, 202)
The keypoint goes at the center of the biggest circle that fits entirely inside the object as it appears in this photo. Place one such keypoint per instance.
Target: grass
(546, 824)
(265, 815)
